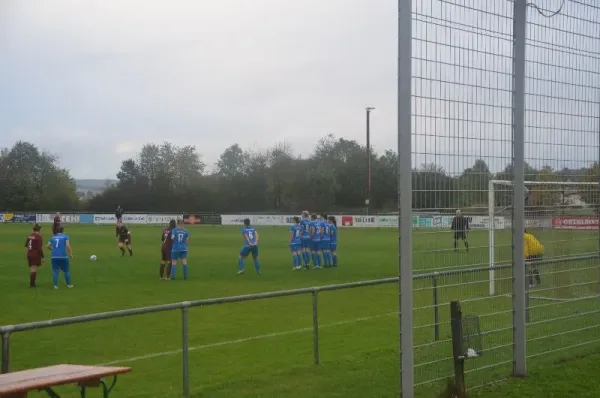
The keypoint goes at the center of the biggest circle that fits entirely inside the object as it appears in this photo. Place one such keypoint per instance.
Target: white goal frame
(492, 215)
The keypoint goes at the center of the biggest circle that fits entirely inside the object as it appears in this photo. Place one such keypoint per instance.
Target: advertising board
(127, 219)
(20, 217)
(575, 223)
(204, 219)
(64, 218)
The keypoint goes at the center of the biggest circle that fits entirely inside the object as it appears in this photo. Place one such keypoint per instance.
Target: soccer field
(264, 348)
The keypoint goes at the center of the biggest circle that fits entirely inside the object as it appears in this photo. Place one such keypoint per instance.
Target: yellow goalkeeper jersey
(533, 247)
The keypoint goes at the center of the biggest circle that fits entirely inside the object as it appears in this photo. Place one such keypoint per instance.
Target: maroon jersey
(167, 242)
(56, 225)
(34, 246)
(123, 233)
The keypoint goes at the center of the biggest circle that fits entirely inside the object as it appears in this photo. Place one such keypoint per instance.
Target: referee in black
(460, 226)
(119, 213)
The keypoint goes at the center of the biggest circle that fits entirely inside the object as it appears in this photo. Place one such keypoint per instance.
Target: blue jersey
(252, 236)
(179, 236)
(325, 230)
(333, 233)
(305, 224)
(316, 235)
(59, 246)
(296, 232)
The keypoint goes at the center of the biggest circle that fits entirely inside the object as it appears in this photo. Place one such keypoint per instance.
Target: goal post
(496, 221)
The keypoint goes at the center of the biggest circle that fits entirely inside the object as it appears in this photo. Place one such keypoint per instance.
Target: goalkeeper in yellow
(534, 251)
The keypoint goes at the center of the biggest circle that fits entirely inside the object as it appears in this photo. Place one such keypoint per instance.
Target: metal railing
(7, 330)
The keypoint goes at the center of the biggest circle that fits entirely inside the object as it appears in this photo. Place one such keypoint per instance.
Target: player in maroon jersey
(56, 224)
(165, 250)
(35, 253)
(124, 237)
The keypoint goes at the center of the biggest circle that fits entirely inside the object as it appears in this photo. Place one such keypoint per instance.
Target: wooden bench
(18, 384)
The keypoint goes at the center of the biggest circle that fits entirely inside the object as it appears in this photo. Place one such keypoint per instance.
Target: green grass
(262, 348)
(575, 377)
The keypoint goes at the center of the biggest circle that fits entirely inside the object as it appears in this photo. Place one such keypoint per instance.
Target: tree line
(167, 178)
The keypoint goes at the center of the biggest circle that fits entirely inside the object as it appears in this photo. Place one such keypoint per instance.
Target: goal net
(563, 216)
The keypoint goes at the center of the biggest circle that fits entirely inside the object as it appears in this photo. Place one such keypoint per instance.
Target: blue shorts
(315, 245)
(325, 244)
(178, 255)
(60, 264)
(333, 246)
(305, 243)
(246, 250)
(295, 247)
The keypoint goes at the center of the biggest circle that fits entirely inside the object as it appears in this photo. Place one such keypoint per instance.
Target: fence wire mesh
(561, 150)
(463, 159)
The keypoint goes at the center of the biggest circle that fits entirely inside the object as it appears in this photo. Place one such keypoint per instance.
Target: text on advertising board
(64, 218)
(575, 223)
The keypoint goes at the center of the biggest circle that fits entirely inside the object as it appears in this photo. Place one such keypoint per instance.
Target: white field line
(244, 340)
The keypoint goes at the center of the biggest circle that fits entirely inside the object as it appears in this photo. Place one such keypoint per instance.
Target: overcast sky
(93, 80)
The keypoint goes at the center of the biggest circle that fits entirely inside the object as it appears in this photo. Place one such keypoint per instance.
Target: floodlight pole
(368, 110)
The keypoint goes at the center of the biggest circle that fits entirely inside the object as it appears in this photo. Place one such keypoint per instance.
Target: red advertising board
(577, 223)
(347, 221)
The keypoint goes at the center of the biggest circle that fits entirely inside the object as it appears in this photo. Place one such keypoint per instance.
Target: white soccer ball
(471, 353)
(93, 257)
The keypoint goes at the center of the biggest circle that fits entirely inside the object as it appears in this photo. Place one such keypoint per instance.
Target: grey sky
(462, 82)
(92, 81)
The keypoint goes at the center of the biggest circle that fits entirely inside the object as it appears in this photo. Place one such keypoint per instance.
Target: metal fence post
(519, 283)
(436, 310)
(185, 349)
(405, 190)
(315, 316)
(5, 352)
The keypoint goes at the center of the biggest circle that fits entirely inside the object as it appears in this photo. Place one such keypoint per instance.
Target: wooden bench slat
(35, 379)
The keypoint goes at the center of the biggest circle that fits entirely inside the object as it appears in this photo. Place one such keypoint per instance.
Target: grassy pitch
(264, 348)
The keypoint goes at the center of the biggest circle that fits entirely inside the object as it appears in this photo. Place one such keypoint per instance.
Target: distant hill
(89, 188)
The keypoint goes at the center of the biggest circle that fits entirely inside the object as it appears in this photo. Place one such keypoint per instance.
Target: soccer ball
(93, 257)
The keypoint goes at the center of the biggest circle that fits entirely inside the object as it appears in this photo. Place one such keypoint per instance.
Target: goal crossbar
(492, 215)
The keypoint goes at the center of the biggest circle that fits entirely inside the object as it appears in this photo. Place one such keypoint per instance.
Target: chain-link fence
(504, 129)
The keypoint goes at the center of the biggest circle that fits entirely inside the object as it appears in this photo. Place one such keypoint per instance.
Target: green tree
(590, 195)
(32, 180)
(473, 185)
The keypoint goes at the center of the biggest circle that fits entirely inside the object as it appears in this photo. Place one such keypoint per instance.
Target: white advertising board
(64, 218)
(160, 219)
(234, 219)
(127, 219)
(257, 219)
(483, 222)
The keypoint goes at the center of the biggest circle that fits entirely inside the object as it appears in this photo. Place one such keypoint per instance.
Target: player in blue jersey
(179, 251)
(305, 241)
(296, 232)
(315, 241)
(325, 240)
(61, 252)
(250, 247)
(333, 240)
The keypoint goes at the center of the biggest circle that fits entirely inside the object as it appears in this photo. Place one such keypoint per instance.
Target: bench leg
(106, 389)
(51, 393)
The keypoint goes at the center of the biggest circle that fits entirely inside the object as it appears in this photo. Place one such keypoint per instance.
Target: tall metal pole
(368, 199)
(405, 272)
(519, 271)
